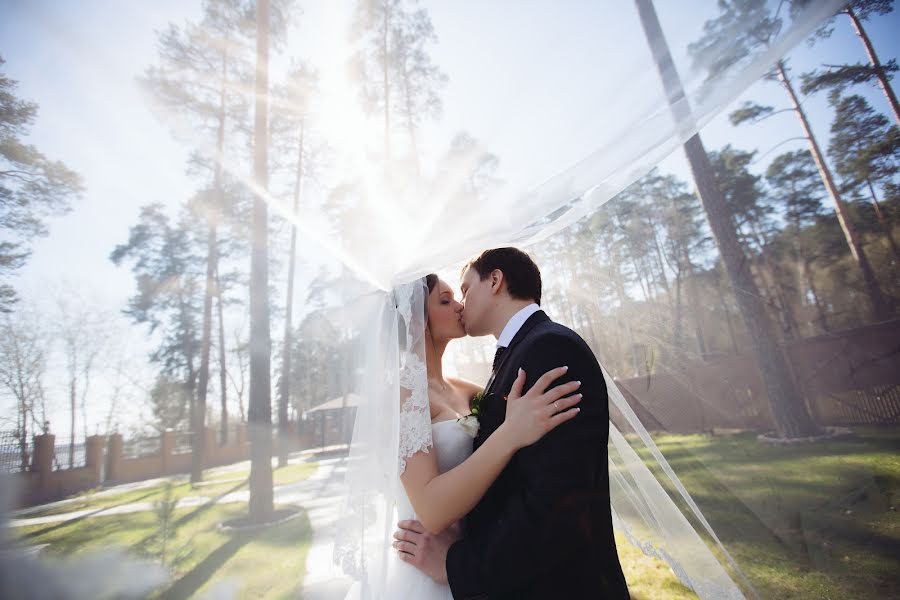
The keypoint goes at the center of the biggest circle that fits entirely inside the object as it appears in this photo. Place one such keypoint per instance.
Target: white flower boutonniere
(470, 423)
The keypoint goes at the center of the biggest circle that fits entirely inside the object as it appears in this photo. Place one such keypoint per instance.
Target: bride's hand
(539, 411)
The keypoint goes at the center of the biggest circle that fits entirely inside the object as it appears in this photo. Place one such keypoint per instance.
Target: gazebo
(332, 420)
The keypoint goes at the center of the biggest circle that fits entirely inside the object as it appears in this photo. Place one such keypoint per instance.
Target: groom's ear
(496, 281)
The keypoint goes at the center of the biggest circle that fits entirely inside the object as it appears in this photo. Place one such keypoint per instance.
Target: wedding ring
(556, 405)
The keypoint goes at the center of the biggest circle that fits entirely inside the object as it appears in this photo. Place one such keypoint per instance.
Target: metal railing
(67, 455)
(142, 446)
(11, 459)
(182, 444)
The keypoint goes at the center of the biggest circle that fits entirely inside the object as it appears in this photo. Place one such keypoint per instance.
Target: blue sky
(537, 82)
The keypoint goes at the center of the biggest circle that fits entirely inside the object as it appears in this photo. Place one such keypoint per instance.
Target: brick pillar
(42, 453)
(93, 448)
(114, 457)
(167, 446)
(42, 461)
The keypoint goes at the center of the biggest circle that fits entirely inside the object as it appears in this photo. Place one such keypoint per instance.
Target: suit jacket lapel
(538, 317)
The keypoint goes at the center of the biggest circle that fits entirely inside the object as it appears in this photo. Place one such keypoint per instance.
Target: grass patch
(216, 482)
(268, 562)
(806, 521)
(648, 578)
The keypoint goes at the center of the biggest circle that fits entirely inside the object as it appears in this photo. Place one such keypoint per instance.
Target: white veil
(547, 112)
(449, 222)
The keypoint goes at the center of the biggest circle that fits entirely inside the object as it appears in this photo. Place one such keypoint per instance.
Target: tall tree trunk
(23, 431)
(661, 264)
(694, 299)
(72, 396)
(880, 307)
(86, 374)
(192, 373)
(260, 410)
(876, 64)
(728, 323)
(645, 289)
(198, 447)
(284, 387)
(769, 276)
(786, 402)
(410, 125)
(223, 369)
(677, 330)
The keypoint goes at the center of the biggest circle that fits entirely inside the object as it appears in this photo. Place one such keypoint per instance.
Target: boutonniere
(470, 423)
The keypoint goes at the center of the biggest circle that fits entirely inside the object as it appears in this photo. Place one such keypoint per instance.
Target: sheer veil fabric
(546, 112)
(493, 123)
(403, 228)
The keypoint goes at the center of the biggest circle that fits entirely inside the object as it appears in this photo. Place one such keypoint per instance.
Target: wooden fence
(850, 377)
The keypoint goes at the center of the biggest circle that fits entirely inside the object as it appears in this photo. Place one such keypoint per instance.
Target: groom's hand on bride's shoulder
(425, 551)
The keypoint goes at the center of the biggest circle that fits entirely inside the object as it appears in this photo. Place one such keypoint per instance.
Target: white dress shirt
(515, 324)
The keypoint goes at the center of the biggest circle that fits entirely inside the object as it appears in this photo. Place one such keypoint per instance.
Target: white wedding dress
(404, 582)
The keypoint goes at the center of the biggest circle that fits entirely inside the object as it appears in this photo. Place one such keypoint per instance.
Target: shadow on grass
(93, 513)
(188, 584)
(808, 515)
(289, 533)
(141, 545)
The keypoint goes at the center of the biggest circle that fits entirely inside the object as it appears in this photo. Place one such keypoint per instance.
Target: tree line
(800, 250)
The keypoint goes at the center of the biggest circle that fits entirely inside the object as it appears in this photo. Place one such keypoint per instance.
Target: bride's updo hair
(431, 281)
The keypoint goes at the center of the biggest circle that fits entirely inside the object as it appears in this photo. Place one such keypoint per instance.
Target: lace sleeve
(415, 415)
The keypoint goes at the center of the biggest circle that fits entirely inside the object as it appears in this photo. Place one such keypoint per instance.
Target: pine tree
(32, 187)
(743, 28)
(865, 149)
(837, 77)
(394, 71)
(290, 121)
(168, 271)
(202, 73)
(795, 186)
(788, 409)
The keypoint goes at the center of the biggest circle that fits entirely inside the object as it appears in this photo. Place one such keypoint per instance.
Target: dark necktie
(497, 355)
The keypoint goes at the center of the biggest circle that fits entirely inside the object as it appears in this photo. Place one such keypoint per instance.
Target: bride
(443, 485)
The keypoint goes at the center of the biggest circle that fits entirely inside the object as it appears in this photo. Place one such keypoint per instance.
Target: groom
(544, 528)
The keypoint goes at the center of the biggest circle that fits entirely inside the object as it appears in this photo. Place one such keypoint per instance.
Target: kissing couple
(522, 510)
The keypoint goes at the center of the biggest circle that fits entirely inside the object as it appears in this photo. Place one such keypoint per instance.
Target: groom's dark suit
(544, 529)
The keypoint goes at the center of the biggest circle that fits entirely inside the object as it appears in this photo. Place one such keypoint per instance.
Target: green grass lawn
(269, 563)
(205, 555)
(201, 554)
(806, 521)
(648, 578)
(215, 483)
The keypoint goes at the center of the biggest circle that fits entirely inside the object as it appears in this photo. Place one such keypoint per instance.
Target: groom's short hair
(523, 278)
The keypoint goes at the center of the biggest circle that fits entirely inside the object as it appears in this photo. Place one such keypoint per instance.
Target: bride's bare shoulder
(467, 386)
